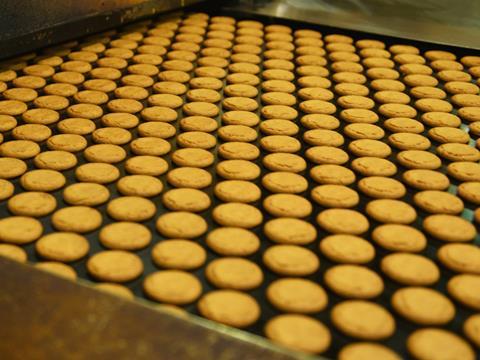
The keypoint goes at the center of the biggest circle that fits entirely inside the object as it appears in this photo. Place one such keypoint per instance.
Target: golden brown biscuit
(343, 221)
(367, 350)
(410, 269)
(309, 336)
(234, 273)
(246, 242)
(430, 343)
(391, 211)
(290, 260)
(332, 174)
(397, 237)
(31, 203)
(363, 320)
(229, 307)
(62, 246)
(463, 258)
(347, 249)
(178, 254)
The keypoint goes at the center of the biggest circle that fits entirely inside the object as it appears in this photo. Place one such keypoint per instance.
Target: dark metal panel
(455, 23)
(45, 317)
(26, 25)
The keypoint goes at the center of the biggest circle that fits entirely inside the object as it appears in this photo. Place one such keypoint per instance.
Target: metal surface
(27, 25)
(455, 23)
(46, 317)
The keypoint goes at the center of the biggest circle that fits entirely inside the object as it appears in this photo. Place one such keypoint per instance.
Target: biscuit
(359, 116)
(409, 141)
(347, 249)
(229, 307)
(242, 90)
(438, 202)
(115, 289)
(204, 95)
(367, 350)
(57, 269)
(220, 241)
(469, 191)
(20, 94)
(131, 208)
(234, 273)
(297, 296)
(89, 111)
(105, 153)
(426, 179)
(448, 135)
(67, 142)
(12, 107)
(332, 174)
(159, 113)
(31, 203)
(280, 112)
(464, 289)
(146, 165)
(284, 162)
(208, 83)
(353, 281)
(238, 170)
(323, 137)
(19, 149)
(92, 84)
(62, 246)
(181, 225)
(189, 177)
(42, 180)
(284, 182)
(337, 196)
(387, 84)
(470, 328)
(33, 132)
(237, 133)
(150, 146)
(370, 148)
(125, 236)
(287, 205)
(237, 215)
(196, 139)
(178, 255)
(240, 118)
(193, 157)
(237, 191)
(326, 155)
(290, 260)
(11, 167)
(99, 173)
(235, 150)
(410, 269)
(298, 332)
(280, 143)
(458, 152)
(434, 119)
(20, 229)
(381, 187)
(7, 122)
(423, 92)
(170, 87)
(290, 231)
(191, 200)
(165, 100)
(343, 221)
(6, 189)
(391, 211)
(363, 320)
(398, 237)
(423, 306)
(198, 123)
(278, 98)
(277, 86)
(364, 131)
(114, 266)
(351, 89)
(13, 252)
(419, 159)
(76, 126)
(307, 93)
(461, 87)
(404, 125)
(431, 343)
(463, 258)
(449, 228)
(464, 171)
